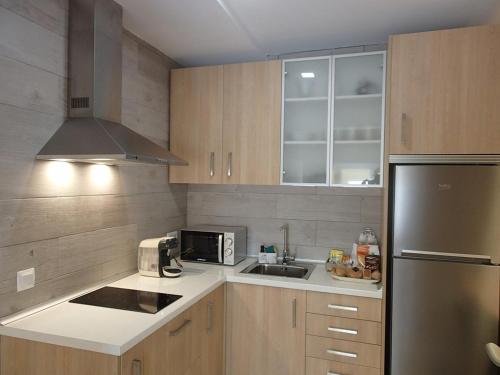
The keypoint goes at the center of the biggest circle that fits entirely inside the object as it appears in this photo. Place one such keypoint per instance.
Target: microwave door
(199, 246)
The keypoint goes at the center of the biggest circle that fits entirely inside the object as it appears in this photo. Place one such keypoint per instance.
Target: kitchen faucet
(286, 257)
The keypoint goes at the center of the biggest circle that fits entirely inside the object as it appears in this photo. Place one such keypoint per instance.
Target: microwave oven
(213, 244)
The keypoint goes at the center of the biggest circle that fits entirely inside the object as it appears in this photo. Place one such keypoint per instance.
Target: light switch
(25, 279)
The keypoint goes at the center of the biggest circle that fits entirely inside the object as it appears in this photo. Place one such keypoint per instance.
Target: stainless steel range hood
(93, 132)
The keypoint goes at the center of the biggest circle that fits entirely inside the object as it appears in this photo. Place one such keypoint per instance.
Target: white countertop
(112, 331)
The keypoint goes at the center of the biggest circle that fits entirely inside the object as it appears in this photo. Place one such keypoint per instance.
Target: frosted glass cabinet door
(306, 107)
(359, 90)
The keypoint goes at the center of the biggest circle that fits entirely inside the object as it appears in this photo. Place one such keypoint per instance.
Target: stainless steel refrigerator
(443, 299)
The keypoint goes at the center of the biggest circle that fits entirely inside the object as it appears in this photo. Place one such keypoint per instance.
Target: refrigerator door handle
(471, 258)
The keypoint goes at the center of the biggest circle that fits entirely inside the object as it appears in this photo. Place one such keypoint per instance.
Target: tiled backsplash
(319, 217)
(76, 224)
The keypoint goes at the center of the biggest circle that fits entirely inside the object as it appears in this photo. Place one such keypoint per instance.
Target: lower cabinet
(265, 330)
(25, 357)
(191, 344)
(212, 338)
(173, 349)
(268, 331)
(344, 335)
(315, 366)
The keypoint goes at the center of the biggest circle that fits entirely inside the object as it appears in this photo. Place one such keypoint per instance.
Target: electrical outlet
(25, 279)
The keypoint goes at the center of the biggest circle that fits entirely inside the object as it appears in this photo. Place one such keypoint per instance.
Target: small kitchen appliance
(155, 255)
(214, 244)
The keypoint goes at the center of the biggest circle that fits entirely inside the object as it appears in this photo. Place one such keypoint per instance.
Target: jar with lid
(367, 237)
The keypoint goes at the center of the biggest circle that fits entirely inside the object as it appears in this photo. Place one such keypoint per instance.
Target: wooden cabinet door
(20, 357)
(265, 330)
(196, 124)
(174, 349)
(252, 123)
(212, 330)
(444, 92)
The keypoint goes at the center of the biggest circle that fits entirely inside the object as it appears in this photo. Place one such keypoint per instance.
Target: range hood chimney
(92, 133)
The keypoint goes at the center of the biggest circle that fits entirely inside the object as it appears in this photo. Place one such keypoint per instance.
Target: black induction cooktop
(127, 299)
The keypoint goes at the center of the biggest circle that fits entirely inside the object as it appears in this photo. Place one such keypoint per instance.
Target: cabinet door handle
(344, 308)
(332, 373)
(212, 164)
(341, 354)
(229, 164)
(343, 330)
(136, 367)
(294, 313)
(405, 127)
(179, 330)
(210, 316)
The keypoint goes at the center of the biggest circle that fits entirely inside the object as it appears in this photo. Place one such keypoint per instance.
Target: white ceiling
(200, 32)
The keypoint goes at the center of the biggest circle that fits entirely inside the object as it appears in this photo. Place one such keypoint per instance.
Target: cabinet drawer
(344, 328)
(316, 366)
(343, 351)
(344, 306)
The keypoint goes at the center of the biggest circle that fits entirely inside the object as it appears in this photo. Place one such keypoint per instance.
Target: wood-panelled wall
(76, 224)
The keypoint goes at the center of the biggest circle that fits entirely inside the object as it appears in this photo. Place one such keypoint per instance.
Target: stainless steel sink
(296, 270)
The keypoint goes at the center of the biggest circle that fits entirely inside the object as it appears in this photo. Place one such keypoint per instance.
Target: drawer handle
(343, 330)
(332, 373)
(179, 330)
(344, 308)
(342, 354)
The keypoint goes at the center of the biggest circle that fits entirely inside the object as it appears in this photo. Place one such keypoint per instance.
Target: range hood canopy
(93, 132)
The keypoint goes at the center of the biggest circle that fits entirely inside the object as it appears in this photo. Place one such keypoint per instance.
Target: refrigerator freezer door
(443, 315)
(447, 208)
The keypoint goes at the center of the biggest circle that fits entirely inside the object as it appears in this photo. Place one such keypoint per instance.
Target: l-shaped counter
(113, 332)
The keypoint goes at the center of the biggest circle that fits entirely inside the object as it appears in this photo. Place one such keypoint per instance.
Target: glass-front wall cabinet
(358, 119)
(333, 115)
(306, 118)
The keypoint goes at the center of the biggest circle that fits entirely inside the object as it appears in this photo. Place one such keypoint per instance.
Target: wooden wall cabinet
(444, 90)
(225, 122)
(251, 123)
(265, 330)
(196, 124)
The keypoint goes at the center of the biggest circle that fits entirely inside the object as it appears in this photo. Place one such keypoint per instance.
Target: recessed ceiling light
(307, 75)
